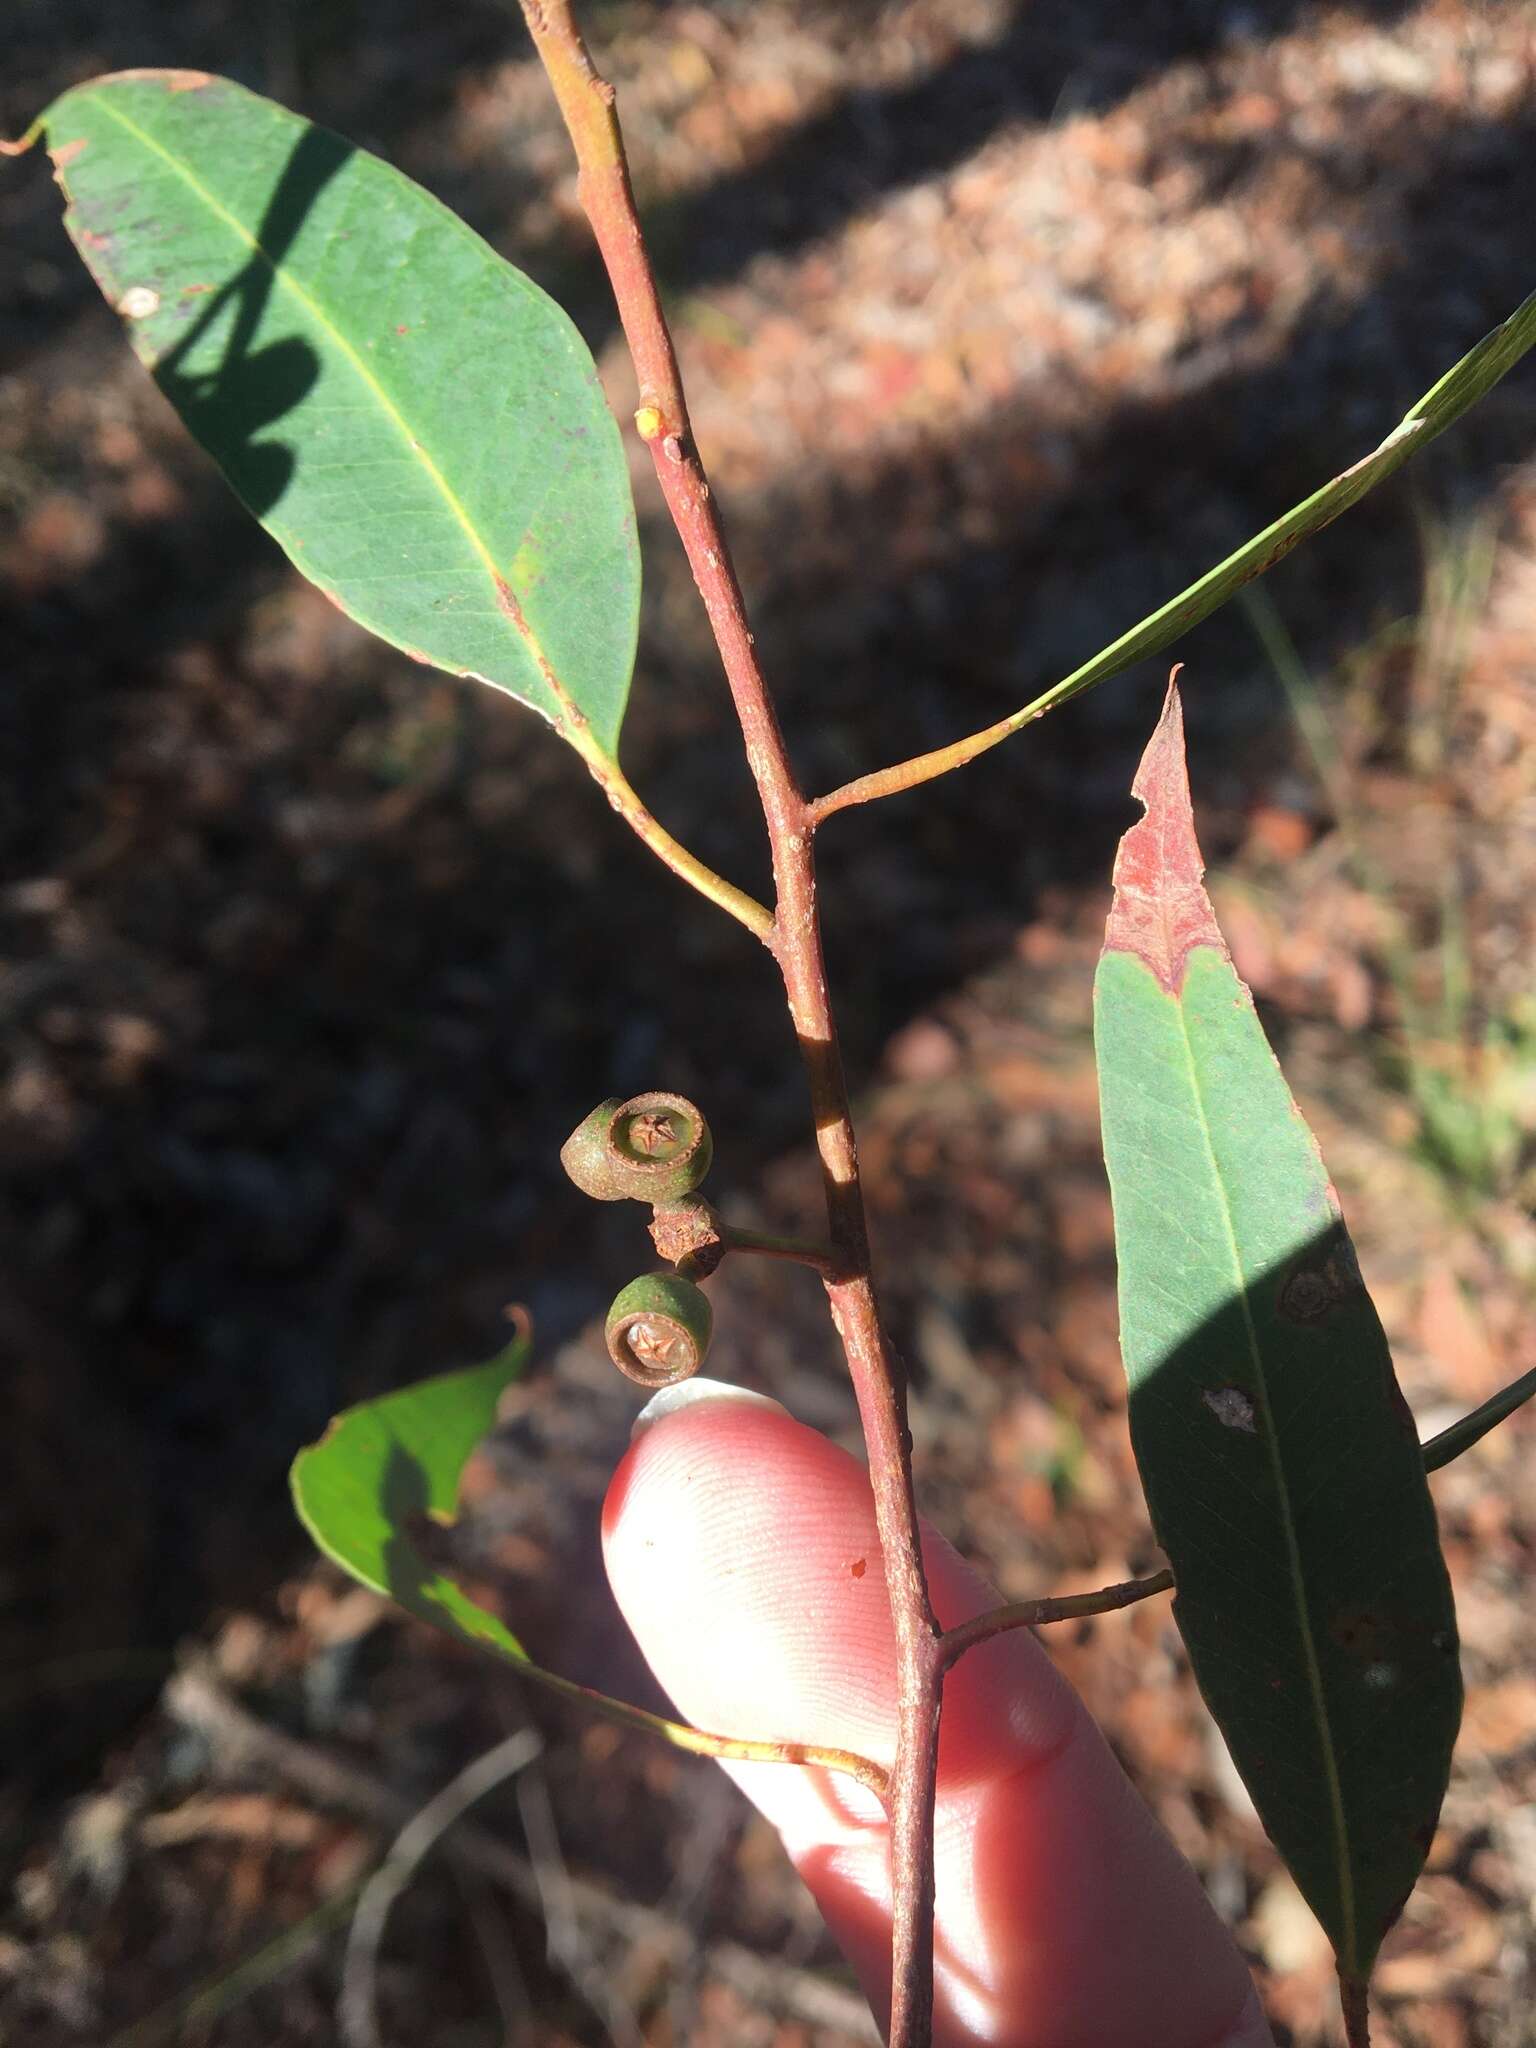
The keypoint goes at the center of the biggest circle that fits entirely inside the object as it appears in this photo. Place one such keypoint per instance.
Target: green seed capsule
(658, 1329)
(653, 1148)
(585, 1153)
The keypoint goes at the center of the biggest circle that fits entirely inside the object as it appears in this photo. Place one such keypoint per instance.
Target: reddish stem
(587, 104)
(1036, 1613)
(1354, 1997)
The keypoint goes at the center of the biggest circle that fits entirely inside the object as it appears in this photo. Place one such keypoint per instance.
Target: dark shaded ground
(1001, 323)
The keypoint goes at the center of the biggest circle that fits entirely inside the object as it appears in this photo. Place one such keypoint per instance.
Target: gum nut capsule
(584, 1155)
(658, 1329)
(653, 1148)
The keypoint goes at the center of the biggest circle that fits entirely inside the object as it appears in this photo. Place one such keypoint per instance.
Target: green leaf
(1279, 1459)
(386, 1465)
(1460, 387)
(414, 422)
(1455, 393)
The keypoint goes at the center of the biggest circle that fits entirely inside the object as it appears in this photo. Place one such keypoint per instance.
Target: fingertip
(743, 1552)
(696, 1392)
(739, 1544)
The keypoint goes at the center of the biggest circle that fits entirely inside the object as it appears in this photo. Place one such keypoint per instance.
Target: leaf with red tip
(1160, 911)
(1280, 1462)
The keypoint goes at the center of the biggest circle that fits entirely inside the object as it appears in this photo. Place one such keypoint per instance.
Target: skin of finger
(741, 1547)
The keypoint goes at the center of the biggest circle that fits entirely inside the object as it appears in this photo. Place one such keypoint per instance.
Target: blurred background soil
(1001, 321)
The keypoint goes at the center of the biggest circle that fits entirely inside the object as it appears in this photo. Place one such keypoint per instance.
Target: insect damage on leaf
(1231, 1407)
(1161, 911)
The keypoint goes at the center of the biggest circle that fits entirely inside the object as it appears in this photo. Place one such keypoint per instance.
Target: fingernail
(691, 1394)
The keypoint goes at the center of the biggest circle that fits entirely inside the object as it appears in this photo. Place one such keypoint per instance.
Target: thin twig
(621, 794)
(1058, 1607)
(768, 1246)
(357, 2007)
(904, 775)
(724, 1748)
(1461, 1436)
(586, 103)
(1438, 1451)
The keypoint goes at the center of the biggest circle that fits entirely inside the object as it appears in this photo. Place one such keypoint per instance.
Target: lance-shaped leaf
(414, 422)
(387, 1466)
(1441, 406)
(1446, 400)
(1280, 1461)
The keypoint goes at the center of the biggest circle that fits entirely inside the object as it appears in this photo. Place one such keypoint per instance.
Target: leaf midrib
(520, 630)
(1337, 1814)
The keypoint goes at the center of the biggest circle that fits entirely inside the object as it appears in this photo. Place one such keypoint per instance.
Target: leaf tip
(1162, 780)
(1161, 912)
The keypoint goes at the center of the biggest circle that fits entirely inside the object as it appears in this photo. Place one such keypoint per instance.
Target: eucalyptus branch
(525, 575)
(586, 103)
